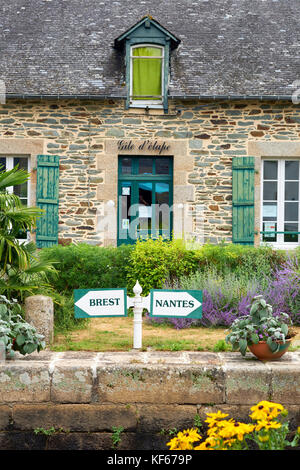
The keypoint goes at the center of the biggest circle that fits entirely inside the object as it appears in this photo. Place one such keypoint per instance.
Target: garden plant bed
(116, 334)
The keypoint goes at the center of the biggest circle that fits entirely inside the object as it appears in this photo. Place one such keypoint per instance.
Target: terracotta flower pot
(262, 351)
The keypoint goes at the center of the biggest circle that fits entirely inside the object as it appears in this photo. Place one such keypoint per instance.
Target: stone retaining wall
(83, 395)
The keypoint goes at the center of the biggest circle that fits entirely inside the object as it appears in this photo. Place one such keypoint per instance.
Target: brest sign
(100, 303)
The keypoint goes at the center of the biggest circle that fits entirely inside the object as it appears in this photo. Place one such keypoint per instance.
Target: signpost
(176, 303)
(100, 303)
(92, 303)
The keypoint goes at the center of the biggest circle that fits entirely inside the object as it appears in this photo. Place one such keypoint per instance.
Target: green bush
(152, 262)
(84, 266)
(155, 262)
(64, 318)
(255, 261)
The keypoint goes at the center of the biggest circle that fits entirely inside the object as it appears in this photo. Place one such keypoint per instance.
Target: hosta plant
(259, 325)
(15, 333)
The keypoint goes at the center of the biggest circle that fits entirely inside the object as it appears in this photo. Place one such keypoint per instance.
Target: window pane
(145, 166)
(162, 219)
(125, 201)
(126, 166)
(270, 211)
(270, 170)
(2, 164)
(21, 189)
(291, 191)
(147, 51)
(162, 166)
(290, 237)
(291, 170)
(270, 191)
(291, 211)
(147, 74)
(145, 206)
(270, 228)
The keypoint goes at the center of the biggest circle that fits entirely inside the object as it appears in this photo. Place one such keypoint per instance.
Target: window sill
(145, 112)
(281, 246)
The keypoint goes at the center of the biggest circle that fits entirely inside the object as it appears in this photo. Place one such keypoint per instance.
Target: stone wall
(81, 396)
(79, 131)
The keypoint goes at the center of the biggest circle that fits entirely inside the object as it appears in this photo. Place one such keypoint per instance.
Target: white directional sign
(100, 303)
(176, 303)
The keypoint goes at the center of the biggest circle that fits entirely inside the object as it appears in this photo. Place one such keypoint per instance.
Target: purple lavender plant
(221, 307)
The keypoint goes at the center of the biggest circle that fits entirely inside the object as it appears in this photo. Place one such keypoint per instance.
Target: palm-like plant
(20, 266)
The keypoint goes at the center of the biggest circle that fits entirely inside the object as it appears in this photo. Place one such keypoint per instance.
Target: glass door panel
(145, 209)
(125, 198)
(162, 210)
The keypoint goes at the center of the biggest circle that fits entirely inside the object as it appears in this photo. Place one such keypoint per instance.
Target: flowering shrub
(268, 431)
(226, 297)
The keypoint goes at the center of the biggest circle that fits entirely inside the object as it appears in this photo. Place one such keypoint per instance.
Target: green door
(145, 198)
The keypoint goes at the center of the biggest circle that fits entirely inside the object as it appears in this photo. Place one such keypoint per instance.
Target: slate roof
(228, 47)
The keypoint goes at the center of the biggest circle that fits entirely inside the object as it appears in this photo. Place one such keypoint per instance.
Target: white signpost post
(91, 303)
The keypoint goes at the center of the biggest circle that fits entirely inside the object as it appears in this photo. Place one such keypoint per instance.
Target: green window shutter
(243, 200)
(47, 199)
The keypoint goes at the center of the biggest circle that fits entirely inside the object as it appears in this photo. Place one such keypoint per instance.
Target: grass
(116, 334)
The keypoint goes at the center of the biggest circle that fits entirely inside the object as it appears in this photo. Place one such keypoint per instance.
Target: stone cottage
(163, 117)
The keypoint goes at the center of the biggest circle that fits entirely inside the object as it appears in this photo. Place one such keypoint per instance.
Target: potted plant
(267, 337)
(15, 333)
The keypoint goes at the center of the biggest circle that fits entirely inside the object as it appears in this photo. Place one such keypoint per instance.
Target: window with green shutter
(47, 199)
(243, 200)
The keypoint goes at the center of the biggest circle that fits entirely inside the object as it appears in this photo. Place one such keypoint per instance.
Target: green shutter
(243, 200)
(47, 199)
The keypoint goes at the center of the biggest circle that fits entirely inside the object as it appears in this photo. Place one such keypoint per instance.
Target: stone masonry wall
(215, 132)
(82, 396)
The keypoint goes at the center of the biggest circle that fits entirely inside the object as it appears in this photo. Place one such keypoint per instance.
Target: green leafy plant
(116, 436)
(259, 325)
(45, 432)
(22, 269)
(15, 333)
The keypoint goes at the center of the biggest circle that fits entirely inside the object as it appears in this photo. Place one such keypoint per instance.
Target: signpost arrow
(100, 303)
(176, 303)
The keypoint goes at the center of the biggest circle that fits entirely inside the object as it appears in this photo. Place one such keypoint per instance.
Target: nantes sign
(176, 303)
(100, 303)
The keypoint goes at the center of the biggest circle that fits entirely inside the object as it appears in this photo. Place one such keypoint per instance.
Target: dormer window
(147, 48)
(146, 76)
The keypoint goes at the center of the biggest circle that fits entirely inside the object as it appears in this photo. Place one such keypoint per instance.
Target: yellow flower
(208, 444)
(190, 435)
(265, 424)
(178, 444)
(184, 440)
(298, 430)
(214, 417)
(267, 410)
(264, 438)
